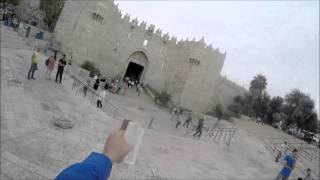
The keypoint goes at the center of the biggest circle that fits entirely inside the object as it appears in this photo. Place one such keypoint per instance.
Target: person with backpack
(50, 63)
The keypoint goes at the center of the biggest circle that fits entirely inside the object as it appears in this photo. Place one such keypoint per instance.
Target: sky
(277, 39)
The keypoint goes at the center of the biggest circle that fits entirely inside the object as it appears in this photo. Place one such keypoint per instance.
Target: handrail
(92, 91)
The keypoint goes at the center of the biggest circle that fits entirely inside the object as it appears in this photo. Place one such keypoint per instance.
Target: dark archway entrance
(134, 71)
(137, 66)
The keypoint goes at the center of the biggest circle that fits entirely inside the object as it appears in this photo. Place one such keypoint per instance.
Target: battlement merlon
(159, 32)
(126, 17)
(151, 28)
(135, 22)
(143, 25)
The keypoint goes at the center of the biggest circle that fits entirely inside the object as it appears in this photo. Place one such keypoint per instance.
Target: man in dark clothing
(199, 128)
(188, 120)
(61, 65)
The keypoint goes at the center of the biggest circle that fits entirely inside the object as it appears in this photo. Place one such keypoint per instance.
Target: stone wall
(225, 91)
(98, 32)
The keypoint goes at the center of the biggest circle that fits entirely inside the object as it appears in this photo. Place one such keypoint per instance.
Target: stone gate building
(121, 46)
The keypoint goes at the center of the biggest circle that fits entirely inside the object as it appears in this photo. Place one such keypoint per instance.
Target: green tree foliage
(236, 108)
(164, 98)
(51, 10)
(299, 108)
(261, 105)
(13, 2)
(275, 106)
(312, 123)
(296, 109)
(218, 111)
(257, 86)
(90, 66)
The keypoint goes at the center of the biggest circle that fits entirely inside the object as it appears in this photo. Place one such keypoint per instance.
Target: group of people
(50, 64)
(134, 84)
(178, 114)
(10, 19)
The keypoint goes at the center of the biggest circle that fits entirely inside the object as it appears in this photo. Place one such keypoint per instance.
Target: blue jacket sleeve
(96, 166)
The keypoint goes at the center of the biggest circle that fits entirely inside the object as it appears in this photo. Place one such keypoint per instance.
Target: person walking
(50, 63)
(102, 94)
(179, 116)
(188, 120)
(289, 164)
(34, 63)
(62, 63)
(282, 151)
(199, 128)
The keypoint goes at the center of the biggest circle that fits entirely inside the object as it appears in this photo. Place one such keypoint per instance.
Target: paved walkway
(32, 148)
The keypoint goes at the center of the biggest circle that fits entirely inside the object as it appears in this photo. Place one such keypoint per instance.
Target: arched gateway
(137, 65)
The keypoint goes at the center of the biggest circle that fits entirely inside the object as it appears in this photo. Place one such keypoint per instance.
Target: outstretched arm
(97, 166)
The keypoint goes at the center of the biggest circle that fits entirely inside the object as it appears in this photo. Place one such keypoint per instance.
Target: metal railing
(215, 134)
(92, 95)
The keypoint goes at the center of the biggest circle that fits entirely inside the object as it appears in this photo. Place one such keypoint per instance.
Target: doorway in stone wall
(137, 65)
(134, 71)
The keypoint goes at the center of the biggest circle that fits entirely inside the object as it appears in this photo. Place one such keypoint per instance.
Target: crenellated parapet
(166, 38)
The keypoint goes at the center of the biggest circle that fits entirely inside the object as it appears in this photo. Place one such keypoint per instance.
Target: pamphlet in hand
(133, 135)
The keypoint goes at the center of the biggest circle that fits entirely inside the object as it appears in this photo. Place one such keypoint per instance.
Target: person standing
(308, 176)
(96, 84)
(68, 70)
(178, 119)
(62, 63)
(188, 120)
(199, 128)
(102, 94)
(282, 150)
(34, 63)
(289, 164)
(51, 61)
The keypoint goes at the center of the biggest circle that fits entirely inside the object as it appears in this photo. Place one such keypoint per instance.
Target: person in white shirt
(101, 97)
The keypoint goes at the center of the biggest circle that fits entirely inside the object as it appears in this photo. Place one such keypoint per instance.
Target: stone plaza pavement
(32, 148)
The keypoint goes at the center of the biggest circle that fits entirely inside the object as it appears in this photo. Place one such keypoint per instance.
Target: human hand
(116, 147)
